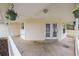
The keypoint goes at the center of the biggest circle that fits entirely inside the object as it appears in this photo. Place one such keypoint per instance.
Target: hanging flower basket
(76, 12)
(11, 15)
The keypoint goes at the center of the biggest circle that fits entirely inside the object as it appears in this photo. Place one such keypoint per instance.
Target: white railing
(77, 38)
(77, 47)
(13, 51)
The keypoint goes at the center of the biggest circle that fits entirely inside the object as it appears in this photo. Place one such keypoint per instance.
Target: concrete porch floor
(45, 48)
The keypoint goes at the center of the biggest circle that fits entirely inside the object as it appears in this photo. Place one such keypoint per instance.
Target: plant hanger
(11, 14)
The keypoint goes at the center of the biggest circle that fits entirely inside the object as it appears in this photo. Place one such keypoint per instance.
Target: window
(64, 29)
(22, 26)
(78, 24)
(54, 30)
(51, 30)
(47, 30)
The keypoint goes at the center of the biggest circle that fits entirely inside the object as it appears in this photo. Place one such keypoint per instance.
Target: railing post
(76, 40)
(9, 48)
(76, 27)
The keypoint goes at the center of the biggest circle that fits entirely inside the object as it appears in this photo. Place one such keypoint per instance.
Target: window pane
(22, 26)
(47, 30)
(78, 24)
(54, 30)
(64, 29)
(47, 34)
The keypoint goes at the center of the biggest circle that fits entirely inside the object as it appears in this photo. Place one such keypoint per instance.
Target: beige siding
(3, 30)
(35, 31)
(14, 28)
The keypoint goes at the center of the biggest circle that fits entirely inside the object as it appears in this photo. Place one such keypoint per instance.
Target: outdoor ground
(3, 47)
(46, 47)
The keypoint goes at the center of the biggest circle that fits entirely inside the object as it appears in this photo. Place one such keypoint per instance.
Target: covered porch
(38, 33)
(66, 47)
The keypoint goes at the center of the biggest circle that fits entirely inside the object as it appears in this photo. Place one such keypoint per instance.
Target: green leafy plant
(76, 12)
(11, 15)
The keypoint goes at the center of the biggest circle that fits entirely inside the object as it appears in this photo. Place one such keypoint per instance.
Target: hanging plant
(11, 15)
(76, 12)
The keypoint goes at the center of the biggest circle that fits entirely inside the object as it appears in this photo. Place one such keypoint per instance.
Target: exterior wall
(22, 31)
(61, 35)
(36, 31)
(3, 30)
(14, 28)
(32, 30)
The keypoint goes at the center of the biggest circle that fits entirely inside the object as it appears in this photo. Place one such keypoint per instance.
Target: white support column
(76, 40)
(76, 28)
(60, 30)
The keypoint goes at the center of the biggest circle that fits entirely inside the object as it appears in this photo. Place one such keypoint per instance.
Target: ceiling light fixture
(45, 11)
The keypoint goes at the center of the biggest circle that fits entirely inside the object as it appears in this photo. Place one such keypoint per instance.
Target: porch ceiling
(60, 12)
(57, 12)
